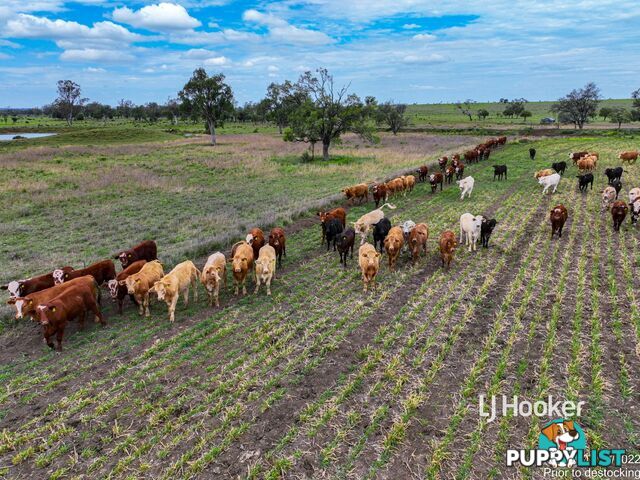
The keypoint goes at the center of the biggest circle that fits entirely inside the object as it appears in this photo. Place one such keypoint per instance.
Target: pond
(10, 136)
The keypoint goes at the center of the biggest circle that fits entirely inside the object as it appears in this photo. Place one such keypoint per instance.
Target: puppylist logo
(562, 443)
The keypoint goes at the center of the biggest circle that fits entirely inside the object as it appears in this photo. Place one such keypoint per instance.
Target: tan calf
(409, 183)
(140, 283)
(418, 240)
(393, 244)
(177, 282)
(265, 267)
(241, 263)
(369, 261)
(544, 173)
(214, 272)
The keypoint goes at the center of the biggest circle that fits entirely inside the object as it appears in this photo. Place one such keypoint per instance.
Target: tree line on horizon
(313, 110)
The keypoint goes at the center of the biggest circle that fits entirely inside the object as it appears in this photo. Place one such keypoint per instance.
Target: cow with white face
(407, 227)
(470, 228)
(13, 287)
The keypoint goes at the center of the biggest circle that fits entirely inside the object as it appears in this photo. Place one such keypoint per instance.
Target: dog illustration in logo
(562, 434)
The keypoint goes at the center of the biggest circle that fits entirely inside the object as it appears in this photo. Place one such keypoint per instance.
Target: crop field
(319, 380)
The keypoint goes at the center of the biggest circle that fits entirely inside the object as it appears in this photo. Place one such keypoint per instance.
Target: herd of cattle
(55, 298)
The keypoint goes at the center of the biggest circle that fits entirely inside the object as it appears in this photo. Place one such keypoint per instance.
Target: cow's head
(371, 258)
(132, 283)
(408, 226)
(113, 285)
(210, 275)
(14, 287)
(240, 263)
(249, 238)
(274, 240)
(24, 306)
(160, 289)
(126, 258)
(59, 276)
(432, 178)
(46, 312)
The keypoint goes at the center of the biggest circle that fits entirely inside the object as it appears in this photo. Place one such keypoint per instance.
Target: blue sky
(403, 50)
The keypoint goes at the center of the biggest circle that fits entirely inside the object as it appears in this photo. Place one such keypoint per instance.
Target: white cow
(549, 181)
(466, 186)
(470, 226)
(406, 230)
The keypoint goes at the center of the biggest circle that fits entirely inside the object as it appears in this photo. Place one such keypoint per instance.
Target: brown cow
(118, 290)
(447, 245)
(379, 192)
(22, 288)
(278, 241)
(543, 173)
(459, 171)
(448, 174)
(442, 161)
(629, 156)
(587, 163)
(213, 273)
(393, 244)
(147, 250)
(356, 192)
(434, 180)
(28, 304)
(139, 284)
(369, 261)
(619, 211)
(471, 156)
(558, 217)
(409, 183)
(73, 303)
(339, 213)
(255, 238)
(575, 156)
(102, 271)
(502, 140)
(422, 172)
(396, 185)
(418, 240)
(242, 263)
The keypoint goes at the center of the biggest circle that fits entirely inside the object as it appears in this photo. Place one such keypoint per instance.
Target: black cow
(486, 229)
(380, 231)
(559, 167)
(499, 171)
(532, 153)
(334, 229)
(584, 181)
(617, 184)
(613, 174)
(344, 243)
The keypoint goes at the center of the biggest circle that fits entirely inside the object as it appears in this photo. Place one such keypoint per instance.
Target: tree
(69, 99)
(483, 113)
(210, 97)
(465, 108)
(620, 115)
(281, 100)
(305, 125)
(391, 114)
(515, 107)
(525, 114)
(605, 112)
(171, 110)
(124, 108)
(580, 104)
(336, 110)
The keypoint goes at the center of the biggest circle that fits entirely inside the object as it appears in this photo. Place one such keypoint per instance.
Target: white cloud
(273, 68)
(30, 26)
(410, 26)
(95, 70)
(424, 37)
(198, 53)
(7, 43)
(4, 56)
(161, 17)
(424, 59)
(95, 55)
(216, 61)
(281, 31)
(213, 38)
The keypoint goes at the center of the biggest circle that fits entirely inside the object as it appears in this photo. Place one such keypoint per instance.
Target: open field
(319, 380)
(447, 114)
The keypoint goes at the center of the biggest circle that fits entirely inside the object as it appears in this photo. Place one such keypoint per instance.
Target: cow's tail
(392, 207)
(98, 292)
